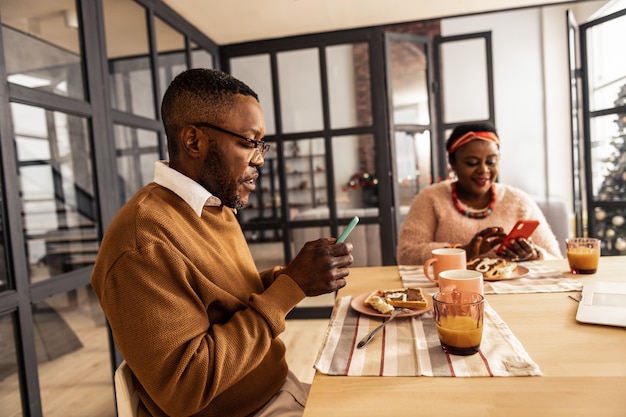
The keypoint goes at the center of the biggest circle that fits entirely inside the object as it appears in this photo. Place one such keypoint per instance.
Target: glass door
(462, 96)
(604, 121)
(413, 141)
(577, 144)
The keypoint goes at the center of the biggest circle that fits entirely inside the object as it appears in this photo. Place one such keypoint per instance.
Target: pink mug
(461, 280)
(444, 259)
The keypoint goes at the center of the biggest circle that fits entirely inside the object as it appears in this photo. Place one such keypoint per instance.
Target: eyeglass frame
(260, 146)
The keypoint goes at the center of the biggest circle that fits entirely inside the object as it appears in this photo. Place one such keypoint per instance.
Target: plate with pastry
(381, 303)
(497, 269)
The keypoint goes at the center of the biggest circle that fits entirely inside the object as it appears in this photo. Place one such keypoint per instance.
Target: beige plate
(358, 303)
(520, 271)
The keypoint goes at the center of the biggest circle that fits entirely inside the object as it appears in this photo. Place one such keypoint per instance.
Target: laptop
(603, 303)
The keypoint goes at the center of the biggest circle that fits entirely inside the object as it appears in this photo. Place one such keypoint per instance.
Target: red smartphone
(523, 228)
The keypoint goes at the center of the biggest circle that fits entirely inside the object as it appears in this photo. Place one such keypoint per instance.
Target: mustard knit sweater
(433, 222)
(196, 322)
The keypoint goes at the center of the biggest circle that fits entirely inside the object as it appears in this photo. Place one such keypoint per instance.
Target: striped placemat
(540, 278)
(410, 346)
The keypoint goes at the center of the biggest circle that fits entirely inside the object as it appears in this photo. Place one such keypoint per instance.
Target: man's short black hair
(198, 95)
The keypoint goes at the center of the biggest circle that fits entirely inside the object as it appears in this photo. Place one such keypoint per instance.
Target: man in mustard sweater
(196, 322)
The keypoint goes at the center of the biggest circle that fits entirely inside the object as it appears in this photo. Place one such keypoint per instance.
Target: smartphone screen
(523, 228)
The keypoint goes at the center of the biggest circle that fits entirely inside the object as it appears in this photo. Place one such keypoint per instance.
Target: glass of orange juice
(459, 320)
(583, 254)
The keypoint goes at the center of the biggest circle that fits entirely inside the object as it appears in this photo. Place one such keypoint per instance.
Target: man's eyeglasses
(260, 147)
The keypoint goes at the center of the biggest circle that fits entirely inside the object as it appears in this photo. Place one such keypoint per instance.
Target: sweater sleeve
(417, 236)
(269, 275)
(151, 296)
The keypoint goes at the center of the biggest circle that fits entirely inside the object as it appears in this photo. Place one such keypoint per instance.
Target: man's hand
(321, 266)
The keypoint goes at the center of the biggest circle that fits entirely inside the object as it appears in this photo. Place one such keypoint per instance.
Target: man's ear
(190, 141)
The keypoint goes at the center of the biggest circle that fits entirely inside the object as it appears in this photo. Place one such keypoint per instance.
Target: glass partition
(305, 171)
(349, 95)
(128, 49)
(200, 58)
(356, 181)
(408, 67)
(171, 53)
(72, 349)
(606, 66)
(9, 379)
(45, 52)
(299, 77)
(6, 279)
(413, 163)
(265, 205)
(137, 150)
(609, 160)
(54, 160)
(605, 145)
(455, 55)
(255, 71)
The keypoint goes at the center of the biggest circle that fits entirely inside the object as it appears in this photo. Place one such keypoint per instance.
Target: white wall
(532, 103)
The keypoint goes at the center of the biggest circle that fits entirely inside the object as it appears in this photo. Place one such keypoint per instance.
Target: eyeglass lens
(260, 151)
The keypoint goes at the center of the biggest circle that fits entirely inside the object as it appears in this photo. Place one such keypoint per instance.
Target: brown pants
(289, 401)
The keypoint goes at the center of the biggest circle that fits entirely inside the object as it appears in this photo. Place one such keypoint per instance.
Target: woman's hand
(521, 250)
(484, 241)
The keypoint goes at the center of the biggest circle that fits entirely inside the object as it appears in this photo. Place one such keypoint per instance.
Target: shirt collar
(193, 193)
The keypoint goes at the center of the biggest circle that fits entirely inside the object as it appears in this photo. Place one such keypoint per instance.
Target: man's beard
(216, 178)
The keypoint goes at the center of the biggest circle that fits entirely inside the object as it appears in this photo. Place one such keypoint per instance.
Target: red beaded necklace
(474, 214)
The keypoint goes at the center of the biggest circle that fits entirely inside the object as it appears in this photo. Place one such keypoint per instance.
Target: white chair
(125, 394)
(558, 218)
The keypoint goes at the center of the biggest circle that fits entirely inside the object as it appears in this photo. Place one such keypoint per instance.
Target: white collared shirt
(193, 193)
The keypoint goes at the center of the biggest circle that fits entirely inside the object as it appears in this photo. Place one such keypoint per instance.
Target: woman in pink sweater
(473, 212)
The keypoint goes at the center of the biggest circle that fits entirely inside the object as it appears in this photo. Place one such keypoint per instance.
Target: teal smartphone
(348, 229)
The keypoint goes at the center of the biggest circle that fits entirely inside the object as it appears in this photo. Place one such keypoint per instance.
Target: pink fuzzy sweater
(433, 222)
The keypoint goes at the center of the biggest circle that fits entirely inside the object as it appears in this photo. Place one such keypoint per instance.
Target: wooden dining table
(583, 365)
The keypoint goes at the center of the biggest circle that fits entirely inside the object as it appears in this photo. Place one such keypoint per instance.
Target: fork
(371, 334)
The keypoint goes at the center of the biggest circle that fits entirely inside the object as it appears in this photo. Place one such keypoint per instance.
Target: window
(605, 130)
(59, 205)
(128, 57)
(45, 51)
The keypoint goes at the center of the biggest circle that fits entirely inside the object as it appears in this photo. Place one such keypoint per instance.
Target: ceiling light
(28, 80)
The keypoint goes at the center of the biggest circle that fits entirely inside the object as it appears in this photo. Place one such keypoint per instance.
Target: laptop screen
(603, 303)
(608, 299)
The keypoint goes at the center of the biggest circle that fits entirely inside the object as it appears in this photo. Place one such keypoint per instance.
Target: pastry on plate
(385, 301)
(378, 303)
(492, 267)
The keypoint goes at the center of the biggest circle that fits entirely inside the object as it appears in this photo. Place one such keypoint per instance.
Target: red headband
(470, 136)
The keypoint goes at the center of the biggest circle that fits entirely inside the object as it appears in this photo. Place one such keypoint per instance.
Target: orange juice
(460, 334)
(583, 260)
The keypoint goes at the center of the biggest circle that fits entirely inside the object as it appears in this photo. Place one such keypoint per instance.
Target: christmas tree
(611, 224)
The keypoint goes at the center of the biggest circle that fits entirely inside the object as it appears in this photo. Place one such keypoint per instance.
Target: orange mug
(444, 259)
